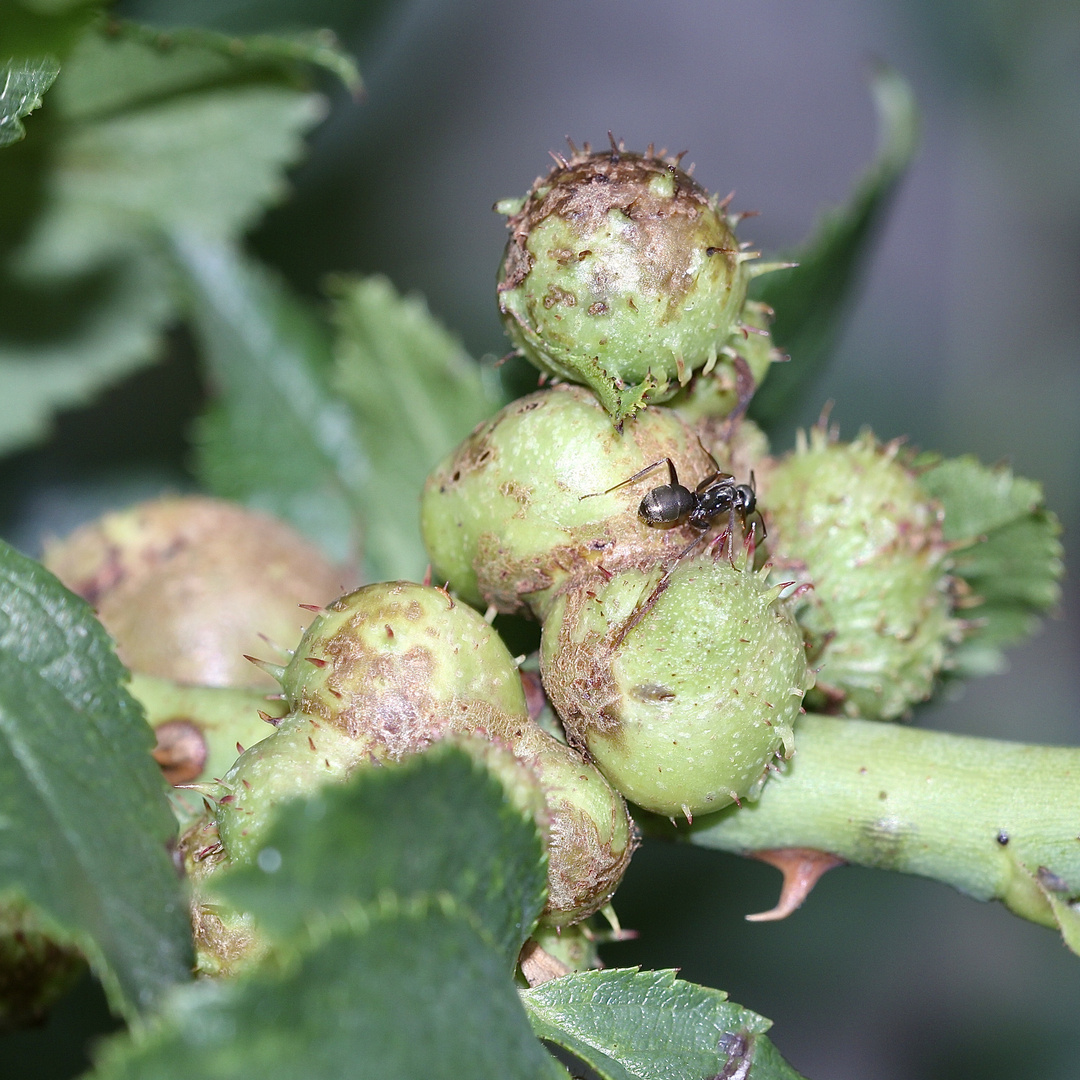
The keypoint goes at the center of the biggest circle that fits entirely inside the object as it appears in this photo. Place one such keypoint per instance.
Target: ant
(674, 504)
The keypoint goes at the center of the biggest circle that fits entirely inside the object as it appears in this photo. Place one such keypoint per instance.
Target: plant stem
(996, 820)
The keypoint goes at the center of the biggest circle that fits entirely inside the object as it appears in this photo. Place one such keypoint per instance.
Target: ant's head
(746, 497)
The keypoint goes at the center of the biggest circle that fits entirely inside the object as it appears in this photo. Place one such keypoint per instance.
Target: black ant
(674, 504)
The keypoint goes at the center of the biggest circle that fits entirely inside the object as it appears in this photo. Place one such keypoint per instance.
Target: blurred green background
(965, 338)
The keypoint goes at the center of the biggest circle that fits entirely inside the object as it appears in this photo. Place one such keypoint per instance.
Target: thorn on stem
(802, 869)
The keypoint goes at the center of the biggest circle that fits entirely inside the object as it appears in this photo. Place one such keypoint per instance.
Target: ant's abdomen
(666, 505)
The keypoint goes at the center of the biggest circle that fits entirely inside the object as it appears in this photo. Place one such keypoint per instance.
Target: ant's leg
(708, 453)
(750, 544)
(643, 609)
(760, 516)
(761, 521)
(637, 476)
(708, 480)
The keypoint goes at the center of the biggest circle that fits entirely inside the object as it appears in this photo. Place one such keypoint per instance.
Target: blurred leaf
(210, 161)
(291, 54)
(648, 1025)
(54, 7)
(140, 140)
(276, 438)
(35, 29)
(416, 394)
(977, 499)
(811, 300)
(354, 22)
(64, 339)
(22, 85)
(129, 65)
(437, 825)
(414, 991)
(1006, 550)
(84, 822)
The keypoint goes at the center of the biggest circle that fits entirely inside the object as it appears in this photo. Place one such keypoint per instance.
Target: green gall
(552, 952)
(226, 941)
(383, 672)
(720, 390)
(853, 520)
(392, 668)
(682, 687)
(399, 664)
(517, 509)
(591, 836)
(573, 946)
(624, 274)
(187, 585)
(301, 756)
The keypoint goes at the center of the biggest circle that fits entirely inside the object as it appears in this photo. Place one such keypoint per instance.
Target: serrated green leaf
(649, 1025)
(144, 139)
(982, 653)
(22, 85)
(416, 394)
(413, 992)
(84, 821)
(438, 824)
(811, 300)
(276, 438)
(1006, 550)
(768, 1063)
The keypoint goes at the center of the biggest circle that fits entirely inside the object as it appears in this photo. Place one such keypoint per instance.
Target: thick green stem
(997, 820)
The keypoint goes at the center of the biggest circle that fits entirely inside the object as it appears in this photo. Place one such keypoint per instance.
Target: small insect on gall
(674, 504)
